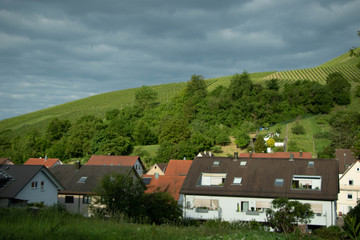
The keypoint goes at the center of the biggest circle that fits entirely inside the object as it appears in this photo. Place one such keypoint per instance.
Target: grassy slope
(22, 224)
(97, 105)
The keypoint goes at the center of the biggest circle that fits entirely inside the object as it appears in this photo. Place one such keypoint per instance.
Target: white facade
(349, 189)
(139, 168)
(40, 189)
(247, 209)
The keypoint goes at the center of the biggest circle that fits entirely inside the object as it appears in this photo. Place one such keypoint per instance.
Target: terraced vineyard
(318, 74)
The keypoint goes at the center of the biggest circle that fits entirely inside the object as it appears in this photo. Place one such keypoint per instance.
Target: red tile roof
(47, 162)
(173, 179)
(112, 160)
(305, 155)
(169, 184)
(178, 167)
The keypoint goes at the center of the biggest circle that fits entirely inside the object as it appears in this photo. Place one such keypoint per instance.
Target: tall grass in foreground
(20, 223)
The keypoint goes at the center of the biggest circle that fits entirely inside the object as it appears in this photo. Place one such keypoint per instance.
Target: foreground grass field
(50, 224)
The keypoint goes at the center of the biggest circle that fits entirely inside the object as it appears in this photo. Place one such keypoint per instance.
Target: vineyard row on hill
(318, 74)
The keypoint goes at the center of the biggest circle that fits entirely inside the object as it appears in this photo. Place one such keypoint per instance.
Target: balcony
(202, 213)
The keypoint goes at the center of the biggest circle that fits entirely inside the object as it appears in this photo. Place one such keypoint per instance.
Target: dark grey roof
(258, 177)
(69, 176)
(162, 166)
(15, 177)
(346, 158)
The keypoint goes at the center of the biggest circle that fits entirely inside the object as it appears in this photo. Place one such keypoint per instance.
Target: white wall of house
(138, 167)
(247, 209)
(79, 204)
(46, 193)
(349, 189)
(155, 169)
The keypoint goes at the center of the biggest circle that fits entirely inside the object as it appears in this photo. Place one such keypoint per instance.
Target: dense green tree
(201, 142)
(143, 135)
(121, 194)
(161, 208)
(339, 87)
(259, 144)
(273, 84)
(111, 114)
(109, 143)
(57, 128)
(284, 214)
(242, 139)
(173, 130)
(181, 150)
(222, 138)
(240, 85)
(81, 134)
(196, 88)
(145, 97)
(59, 149)
(345, 126)
(195, 94)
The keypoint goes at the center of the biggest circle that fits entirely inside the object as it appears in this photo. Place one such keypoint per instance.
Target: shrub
(270, 142)
(322, 135)
(298, 129)
(330, 233)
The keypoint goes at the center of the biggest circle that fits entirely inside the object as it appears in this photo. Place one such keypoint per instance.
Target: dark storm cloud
(53, 52)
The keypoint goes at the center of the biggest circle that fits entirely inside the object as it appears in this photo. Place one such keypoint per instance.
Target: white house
(349, 193)
(241, 189)
(22, 184)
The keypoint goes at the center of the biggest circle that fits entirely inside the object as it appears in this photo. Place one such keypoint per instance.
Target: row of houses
(238, 188)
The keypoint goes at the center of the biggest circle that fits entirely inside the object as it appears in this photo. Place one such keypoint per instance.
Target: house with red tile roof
(109, 160)
(171, 181)
(47, 162)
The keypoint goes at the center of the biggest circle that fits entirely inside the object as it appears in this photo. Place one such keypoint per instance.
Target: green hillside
(97, 105)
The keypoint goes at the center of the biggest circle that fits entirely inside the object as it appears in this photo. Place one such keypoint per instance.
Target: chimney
(236, 156)
(291, 157)
(156, 175)
(301, 153)
(45, 158)
(184, 158)
(250, 154)
(77, 165)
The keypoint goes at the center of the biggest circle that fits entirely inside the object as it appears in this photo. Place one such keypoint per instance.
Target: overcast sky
(56, 51)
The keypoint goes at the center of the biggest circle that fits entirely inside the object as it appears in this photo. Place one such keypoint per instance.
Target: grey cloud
(74, 49)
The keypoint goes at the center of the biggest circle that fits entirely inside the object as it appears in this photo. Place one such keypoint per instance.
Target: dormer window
(237, 180)
(216, 163)
(311, 164)
(306, 182)
(243, 163)
(279, 182)
(82, 180)
(212, 179)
